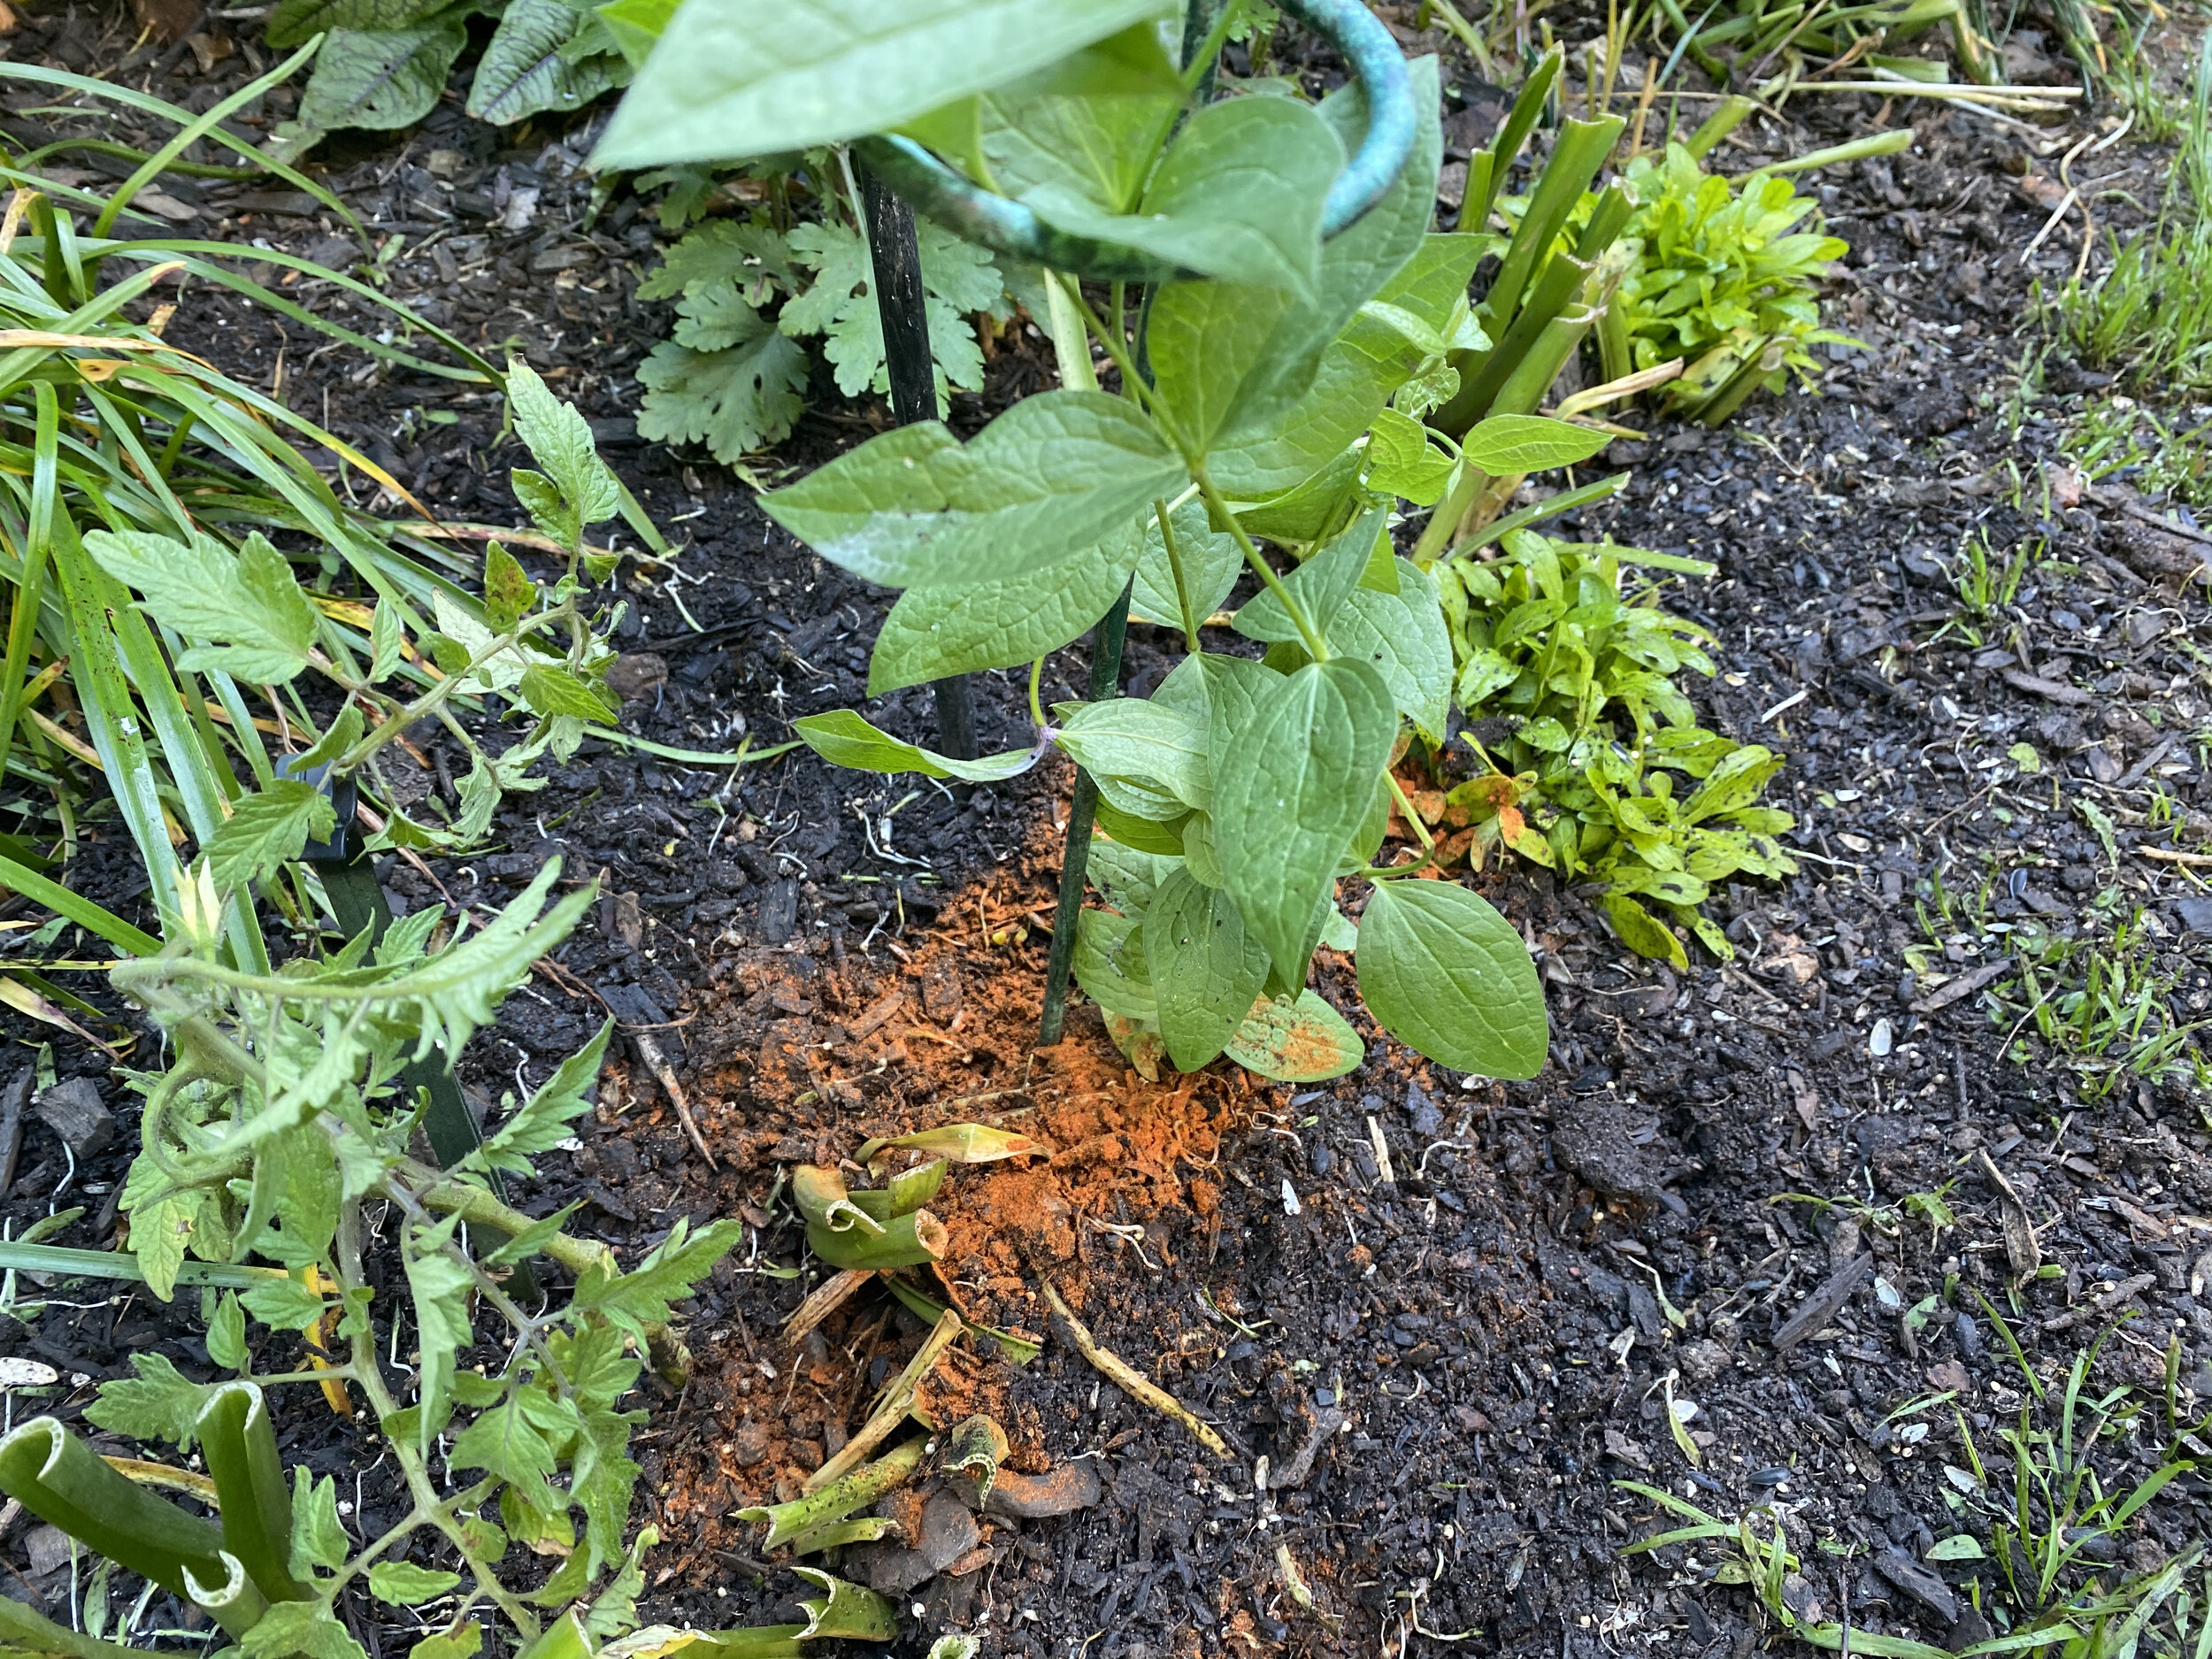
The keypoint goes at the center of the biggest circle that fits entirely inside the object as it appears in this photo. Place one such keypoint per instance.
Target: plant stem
(1405, 809)
(1315, 646)
(1036, 679)
(346, 1256)
(1134, 386)
(1175, 564)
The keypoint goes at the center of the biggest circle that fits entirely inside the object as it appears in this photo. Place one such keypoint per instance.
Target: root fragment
(1124, 1377)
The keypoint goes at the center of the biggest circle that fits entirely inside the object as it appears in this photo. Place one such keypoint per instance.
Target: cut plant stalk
(837, 1498)
(898, 1400)
(897, 259)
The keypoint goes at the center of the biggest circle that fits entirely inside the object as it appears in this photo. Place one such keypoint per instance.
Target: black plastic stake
(897, 259)
(1075, 855)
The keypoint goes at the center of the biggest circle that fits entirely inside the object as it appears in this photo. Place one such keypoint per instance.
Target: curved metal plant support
(1009, 227)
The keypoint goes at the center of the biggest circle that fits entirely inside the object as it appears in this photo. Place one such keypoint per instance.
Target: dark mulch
(1493, 1324)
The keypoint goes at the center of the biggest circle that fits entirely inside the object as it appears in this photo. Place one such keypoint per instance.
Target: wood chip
(1964, 986)
(2023, 1250)
(1822, 1305)
(2050, 690)
(2091, 1311)
(828, 1296)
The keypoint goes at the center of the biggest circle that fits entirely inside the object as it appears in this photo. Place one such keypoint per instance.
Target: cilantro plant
(1237, 797)
(733, 376)
(1602, 772)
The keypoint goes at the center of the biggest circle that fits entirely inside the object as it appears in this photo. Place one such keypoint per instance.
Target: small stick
(2168, 856)
(828, 1296)
(1118, 1373)
(896, 1403)
(664, 1074)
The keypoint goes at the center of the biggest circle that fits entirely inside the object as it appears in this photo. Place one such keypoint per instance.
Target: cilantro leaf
(733, 401)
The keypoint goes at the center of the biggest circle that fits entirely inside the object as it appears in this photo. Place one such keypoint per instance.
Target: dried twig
(828, 1296)
(1118, 1371)
(664, 1074)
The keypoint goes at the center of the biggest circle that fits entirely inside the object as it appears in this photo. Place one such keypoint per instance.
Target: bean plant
(1270, 384)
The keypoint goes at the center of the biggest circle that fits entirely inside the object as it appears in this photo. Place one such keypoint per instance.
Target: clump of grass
(2151, 313)
(2043, 1513)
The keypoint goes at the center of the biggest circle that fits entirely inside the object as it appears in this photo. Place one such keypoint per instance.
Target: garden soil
(1449, 1317)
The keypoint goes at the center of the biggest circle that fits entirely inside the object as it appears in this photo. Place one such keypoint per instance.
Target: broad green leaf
(552, 691)
(1276, 448)
(507, 1441)
(1126, 877)
(296, 22)
(284, 1304)
(159, 1233)
(465, 1643)
(1144, 834)
(1237, 196)
(1301, 1040)
(541, 58)
(159, 1403)
(442, 1287)
(1307, 512)
(509, 593)
(733, 78)
(1401, 460)
(1211, 562)
(266, 829)
(636, 24)
(541, 1121)
(1054, 475)
(1447, 975)
(403, 1583)
(843, 738)
(383, 79)
(1132, 738)
(1229, 358)
(642, 1296)
(1733, 785)
(227, 1335)
(1320, 586)
(1291, 789)
(935, 632)
(1109, 964)
(734, 401)
(1506, 445)
(1402, 637)
(1200, 856)
(1958, 1547)
(558, 437)
(1205, 971)
(299, 1630)
(249, 600)
(1090, 125)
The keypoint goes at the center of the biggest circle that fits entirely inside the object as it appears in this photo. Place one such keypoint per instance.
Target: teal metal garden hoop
(1007, 227)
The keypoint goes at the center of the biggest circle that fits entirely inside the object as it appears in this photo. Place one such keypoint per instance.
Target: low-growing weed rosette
(1601, 770)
